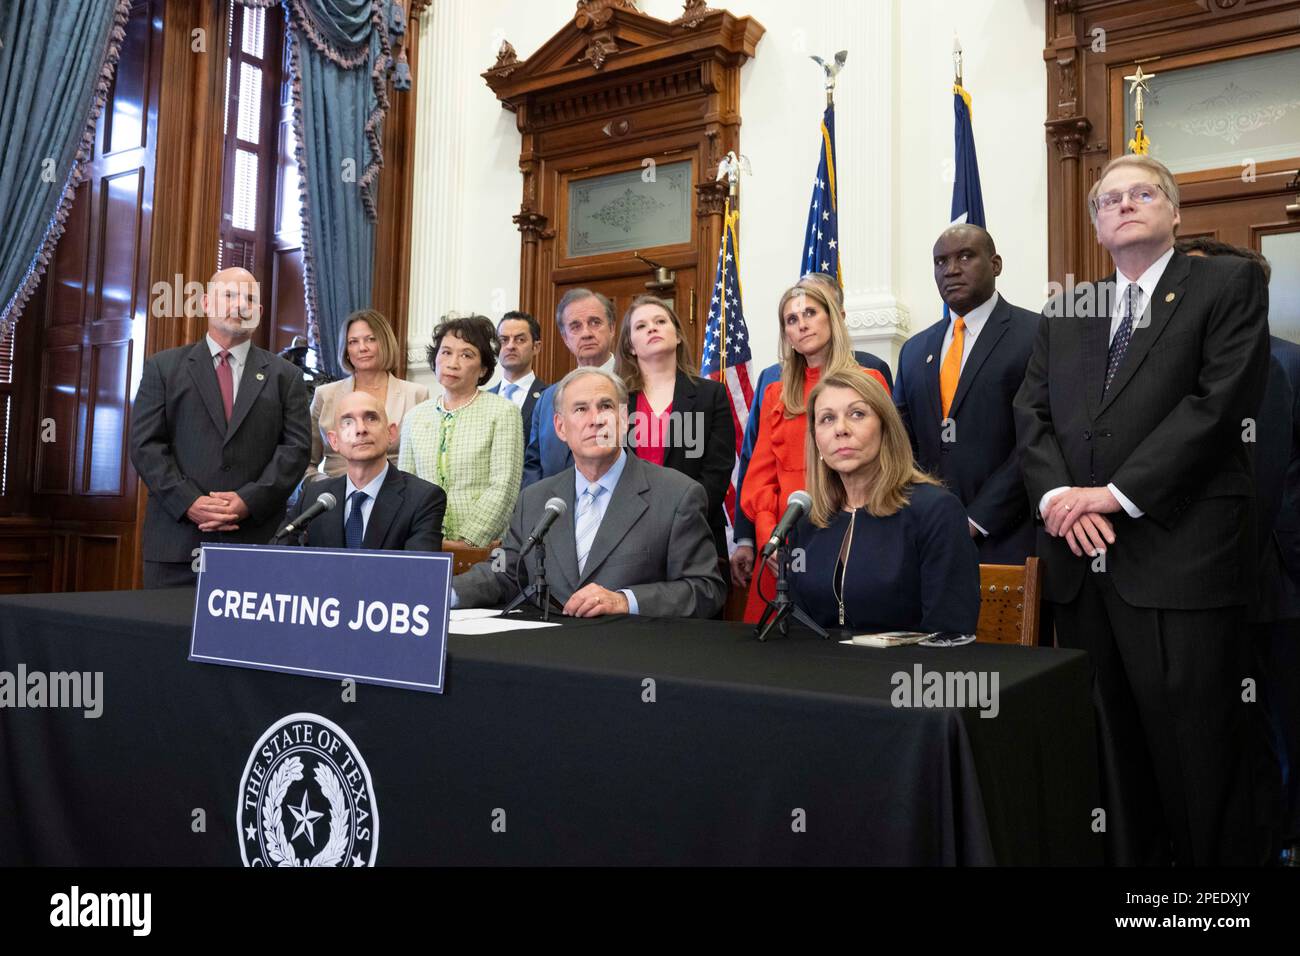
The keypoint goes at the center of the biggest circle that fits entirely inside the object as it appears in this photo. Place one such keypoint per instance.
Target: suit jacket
(544, 454)
(915, 570)
(1277, 469)
(530, 402)
(979, 463)
(710, 463)
(406, 514)
(182, 447)
(1167, 433)
(401, 397)
(654, 540)
(744, 524)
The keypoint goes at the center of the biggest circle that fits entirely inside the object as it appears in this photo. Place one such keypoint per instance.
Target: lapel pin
(260, 376)
(1169, 297)
(929, 359)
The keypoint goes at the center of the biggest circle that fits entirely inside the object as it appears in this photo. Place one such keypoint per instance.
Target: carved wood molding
(693, 14)
(711, 198)
(615, 37)
(611, 89)
(532, 225)
(1069, 134)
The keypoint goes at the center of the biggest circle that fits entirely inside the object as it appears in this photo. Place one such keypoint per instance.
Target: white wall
(1002, 41)
(468, 186)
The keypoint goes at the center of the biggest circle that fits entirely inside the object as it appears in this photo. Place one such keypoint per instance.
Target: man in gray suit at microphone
(633, 538)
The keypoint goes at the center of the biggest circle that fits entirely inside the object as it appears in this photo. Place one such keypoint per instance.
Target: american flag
(727, 357)
(821, 244)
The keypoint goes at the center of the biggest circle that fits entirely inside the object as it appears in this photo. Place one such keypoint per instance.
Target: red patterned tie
(226, 379)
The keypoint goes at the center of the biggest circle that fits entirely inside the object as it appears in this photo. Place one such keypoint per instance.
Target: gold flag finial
(1139, 144)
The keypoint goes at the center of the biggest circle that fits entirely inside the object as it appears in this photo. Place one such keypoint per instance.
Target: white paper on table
(494, 626)
(472, 613)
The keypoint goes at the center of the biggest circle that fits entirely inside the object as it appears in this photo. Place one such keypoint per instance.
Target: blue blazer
(915, 570)
(530, 402)
(744, 527)
(544, 454)
(980, 463)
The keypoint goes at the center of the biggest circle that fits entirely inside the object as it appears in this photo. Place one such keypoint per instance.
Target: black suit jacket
(703, 447)
(1272, 454)
(182, 447)
(1167, 433)
(979, 462)
(1278, 475)
(530, 402)
(406, 515)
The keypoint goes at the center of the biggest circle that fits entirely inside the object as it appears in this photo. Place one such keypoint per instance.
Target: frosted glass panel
(622, 212)
(1219, 114)
(1282, 250)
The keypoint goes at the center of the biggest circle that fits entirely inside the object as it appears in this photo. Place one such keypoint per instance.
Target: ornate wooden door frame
(615, 83)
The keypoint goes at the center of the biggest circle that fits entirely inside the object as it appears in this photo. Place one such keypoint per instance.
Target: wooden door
(91, 312)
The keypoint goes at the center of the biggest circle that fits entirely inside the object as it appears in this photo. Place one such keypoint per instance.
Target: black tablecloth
(548, 732)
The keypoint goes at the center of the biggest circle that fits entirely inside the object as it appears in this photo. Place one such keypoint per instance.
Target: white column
(438, 196)
(866, 138)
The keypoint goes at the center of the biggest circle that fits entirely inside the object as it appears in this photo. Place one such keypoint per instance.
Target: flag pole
(730, 167)
(1139, 145)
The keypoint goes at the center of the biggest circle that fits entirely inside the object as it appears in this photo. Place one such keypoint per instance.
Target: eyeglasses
(1143, 194)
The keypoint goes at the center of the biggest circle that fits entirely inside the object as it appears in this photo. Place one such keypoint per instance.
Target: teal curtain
(56, 66)
(340, 59)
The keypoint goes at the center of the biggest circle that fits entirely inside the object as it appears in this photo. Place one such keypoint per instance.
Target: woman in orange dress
(814, 342)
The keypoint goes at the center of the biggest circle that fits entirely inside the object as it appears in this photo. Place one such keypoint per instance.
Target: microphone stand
(538, 591)
(782, 606)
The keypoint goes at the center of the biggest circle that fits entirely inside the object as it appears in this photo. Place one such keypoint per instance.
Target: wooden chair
(465, 558)
(1009, 595)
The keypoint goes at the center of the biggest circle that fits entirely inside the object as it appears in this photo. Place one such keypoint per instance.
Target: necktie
(950, 371)
(509, 389)
(1124, 334)
(355, 529)
(586, 523)
(226, 379)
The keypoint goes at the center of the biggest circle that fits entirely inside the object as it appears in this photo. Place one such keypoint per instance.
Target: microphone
(554, 508)
(797, 505)
(324, 503)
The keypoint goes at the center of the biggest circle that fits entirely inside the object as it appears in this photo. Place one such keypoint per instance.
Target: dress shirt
(521, 389)
(608, 481)
(975, 322)
(238, 359)
(371, 491)
(1147, 282)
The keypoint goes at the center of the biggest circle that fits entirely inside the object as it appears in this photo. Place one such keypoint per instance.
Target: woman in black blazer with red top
(675, 418)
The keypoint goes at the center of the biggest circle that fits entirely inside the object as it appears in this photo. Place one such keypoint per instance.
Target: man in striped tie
(632, 538)
(1133, 422)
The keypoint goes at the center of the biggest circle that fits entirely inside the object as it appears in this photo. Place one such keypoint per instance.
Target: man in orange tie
(956, 381)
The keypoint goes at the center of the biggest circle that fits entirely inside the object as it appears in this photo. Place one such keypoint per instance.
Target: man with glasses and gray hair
(1133, 423)
(585, 320)
(632, 538)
